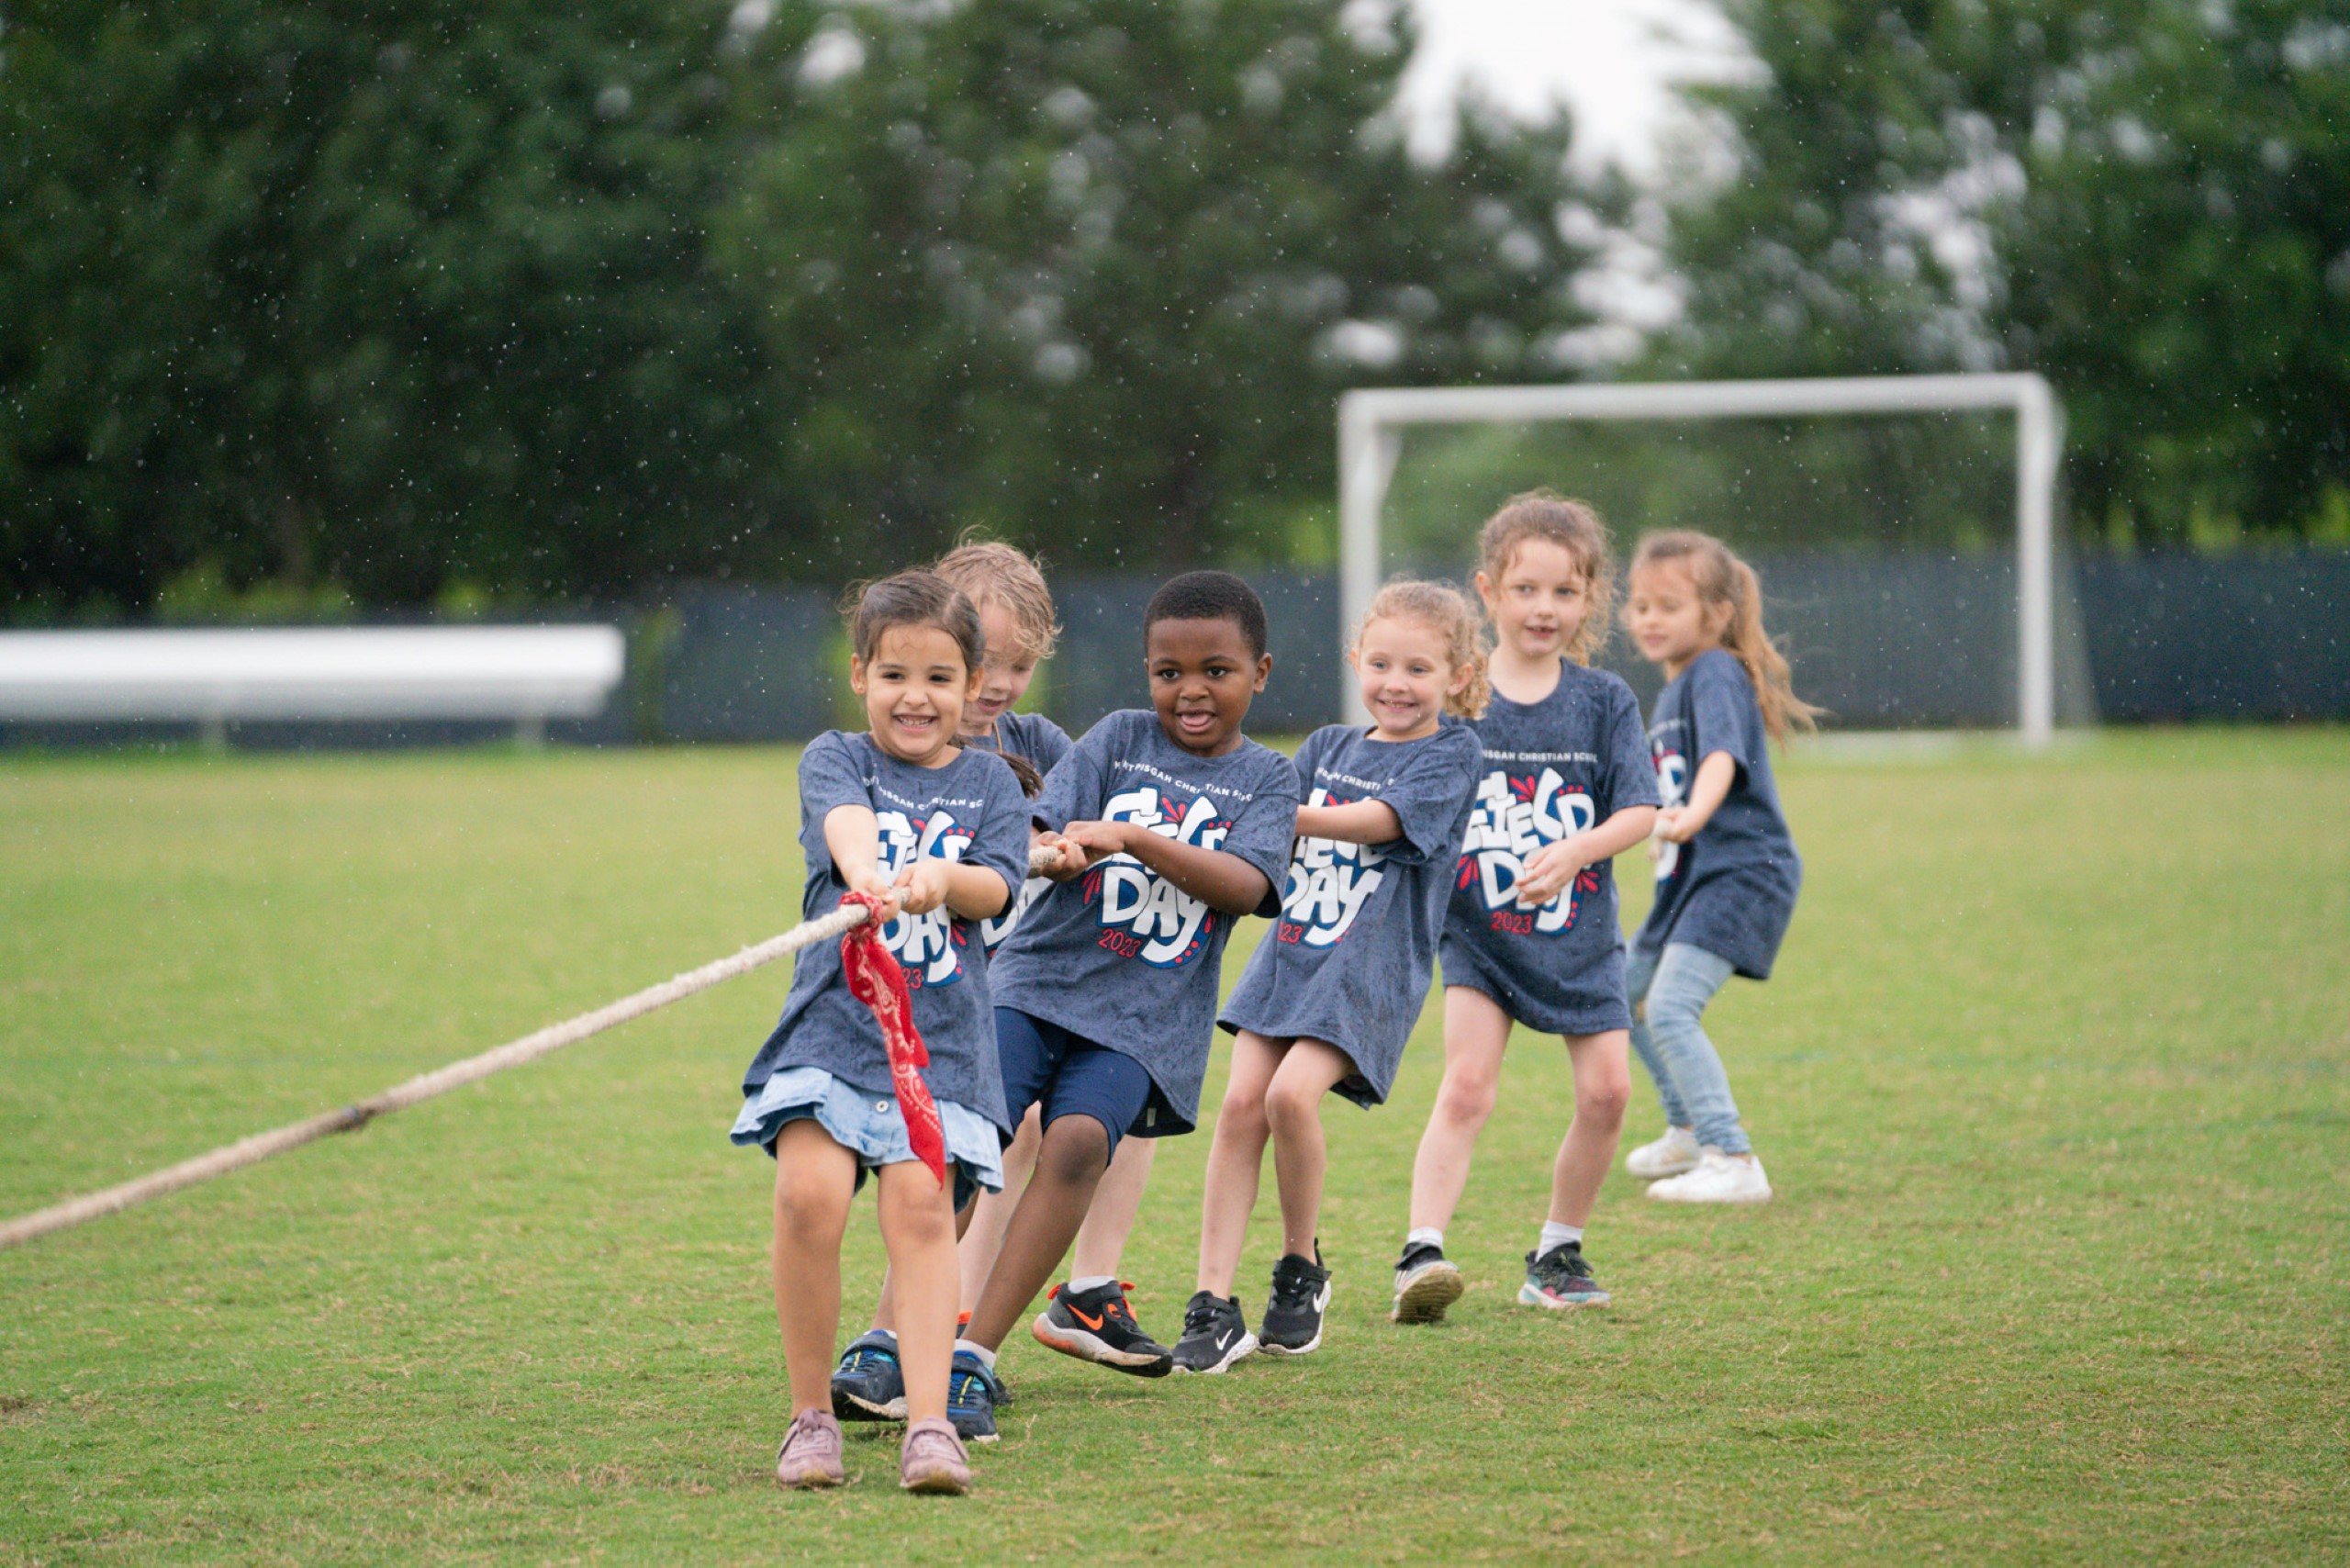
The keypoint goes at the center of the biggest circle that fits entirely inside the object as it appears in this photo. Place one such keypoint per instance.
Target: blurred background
(679, 317)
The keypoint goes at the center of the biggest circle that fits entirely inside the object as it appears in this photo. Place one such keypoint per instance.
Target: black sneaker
(1098, 1325)
(1293, 1315)
(1561, 1279)
(1215, 1334)
(1424, 1285)
(868, 1385)
(972, 1394)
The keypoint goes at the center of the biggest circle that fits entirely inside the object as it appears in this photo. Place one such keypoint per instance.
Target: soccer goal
(1372, 426)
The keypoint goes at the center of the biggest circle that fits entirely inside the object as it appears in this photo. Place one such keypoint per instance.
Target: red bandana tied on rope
(875, 979)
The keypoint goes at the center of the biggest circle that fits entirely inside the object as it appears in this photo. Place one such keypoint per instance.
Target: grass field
(2054, 1082)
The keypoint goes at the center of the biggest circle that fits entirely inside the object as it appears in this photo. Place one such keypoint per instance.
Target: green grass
(2052, 1081)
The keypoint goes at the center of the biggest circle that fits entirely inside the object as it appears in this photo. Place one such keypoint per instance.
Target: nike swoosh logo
(1092, 1322)
(1224, 1339)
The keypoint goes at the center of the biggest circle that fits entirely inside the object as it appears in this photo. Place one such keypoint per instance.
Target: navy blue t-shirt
(1121, 957)
(1348, 961)
(1731, 890)
(1551, 769)
(1044, 744)
(970, 810)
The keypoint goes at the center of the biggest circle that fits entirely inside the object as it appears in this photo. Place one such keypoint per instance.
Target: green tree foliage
(2146, 200)
(415, 297)
(1093, 273)
(390, 295)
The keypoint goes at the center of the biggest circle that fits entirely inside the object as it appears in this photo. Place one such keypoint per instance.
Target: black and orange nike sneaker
(1098, 1325)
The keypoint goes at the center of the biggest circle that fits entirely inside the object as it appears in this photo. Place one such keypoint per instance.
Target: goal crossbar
(1371, 425)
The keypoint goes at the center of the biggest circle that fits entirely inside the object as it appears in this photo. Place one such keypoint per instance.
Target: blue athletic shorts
(1068, 1075)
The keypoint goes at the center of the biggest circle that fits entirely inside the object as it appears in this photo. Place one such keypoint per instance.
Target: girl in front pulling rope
(933, 837)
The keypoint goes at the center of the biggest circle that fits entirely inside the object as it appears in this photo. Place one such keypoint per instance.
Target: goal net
(1904, 526)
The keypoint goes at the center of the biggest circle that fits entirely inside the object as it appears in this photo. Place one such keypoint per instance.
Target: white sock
(1090, 1282)
(1557, 1235)
(1424, 1235)
(987, 1357)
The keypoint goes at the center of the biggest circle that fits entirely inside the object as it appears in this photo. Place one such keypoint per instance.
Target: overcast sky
(1611, 60)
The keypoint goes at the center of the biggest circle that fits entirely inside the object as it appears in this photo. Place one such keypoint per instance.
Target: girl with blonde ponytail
(1727, 873)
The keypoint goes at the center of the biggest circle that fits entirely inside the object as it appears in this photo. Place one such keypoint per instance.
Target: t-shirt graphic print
(1349, 958)
(1551, 769)
(1143, 916)
(927, 946)
(1120, 956)
(1515, 814)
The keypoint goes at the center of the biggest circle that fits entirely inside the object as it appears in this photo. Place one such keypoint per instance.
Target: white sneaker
(1669, 1155)
(1718, 1179)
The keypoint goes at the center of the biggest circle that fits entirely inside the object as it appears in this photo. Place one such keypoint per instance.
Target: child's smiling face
(1406, 674)
(1201, 677)
(915, 687)
(1005, 679)
(1540, 600)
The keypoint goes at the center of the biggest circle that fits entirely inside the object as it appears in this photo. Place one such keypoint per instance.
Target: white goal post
(1370, 426)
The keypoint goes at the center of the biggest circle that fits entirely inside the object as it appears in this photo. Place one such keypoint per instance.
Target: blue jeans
(1668, 994)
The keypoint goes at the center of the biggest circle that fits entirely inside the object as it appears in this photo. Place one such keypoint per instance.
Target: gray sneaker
(811, 1454)
(1426, 1283)
(932, 1459)
(1561, 1279)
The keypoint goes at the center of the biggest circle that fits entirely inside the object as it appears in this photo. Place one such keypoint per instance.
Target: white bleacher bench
(525, 674)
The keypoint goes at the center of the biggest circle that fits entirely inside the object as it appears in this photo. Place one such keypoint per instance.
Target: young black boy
(1172, 824)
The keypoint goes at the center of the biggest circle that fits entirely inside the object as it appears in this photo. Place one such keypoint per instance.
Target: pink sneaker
(932, 1460)
(810, 1455)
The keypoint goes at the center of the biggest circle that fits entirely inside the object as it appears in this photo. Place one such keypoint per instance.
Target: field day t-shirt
(970, 810)
(1120, 956)
(1551, 769)
(1731, 890)
(1044, 744)
(1348, 961)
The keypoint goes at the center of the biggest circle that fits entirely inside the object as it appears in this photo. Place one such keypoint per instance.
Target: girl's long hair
(1721, 578)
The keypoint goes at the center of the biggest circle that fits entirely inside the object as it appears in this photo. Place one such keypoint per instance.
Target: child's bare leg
(814, 1179)
(1603, 1086)
(979, 1229)
(918, 1227)
(1102, 1239)
(1069, 1162)
(1293, 1111)
(1476, 1031)
(1236, 1160)
(976, 1255)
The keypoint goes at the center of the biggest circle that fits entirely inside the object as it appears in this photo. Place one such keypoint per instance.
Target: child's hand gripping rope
(876, 979)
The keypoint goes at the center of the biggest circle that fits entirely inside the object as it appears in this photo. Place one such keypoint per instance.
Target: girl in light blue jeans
(1727, 871)
(1669, 992)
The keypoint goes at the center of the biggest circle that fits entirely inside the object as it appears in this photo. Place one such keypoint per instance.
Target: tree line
(410, 303)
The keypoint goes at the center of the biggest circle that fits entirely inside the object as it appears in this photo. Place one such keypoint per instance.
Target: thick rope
(456, 1075)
